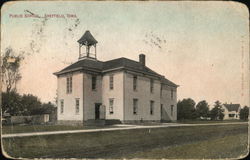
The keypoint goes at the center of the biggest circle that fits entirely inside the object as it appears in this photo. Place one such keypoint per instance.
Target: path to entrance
(122, 127)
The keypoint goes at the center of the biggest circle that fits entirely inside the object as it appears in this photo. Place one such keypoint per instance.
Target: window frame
(111, 107)
(94, 83)
(172, 110)
(151, 85)
(111, 82)
(161, 89)
(77, 107)
(172, 93)
(135, 80)
(135, 106)
(69, 84)
(61, 106)
(152, 107)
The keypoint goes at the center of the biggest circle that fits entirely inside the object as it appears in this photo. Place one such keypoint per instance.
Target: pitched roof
(87, 39)
(103, 67)
(128, 64)
(84, 64)
(232, 107)
(168, 82)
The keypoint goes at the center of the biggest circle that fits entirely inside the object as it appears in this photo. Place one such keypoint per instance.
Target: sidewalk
(123, 127)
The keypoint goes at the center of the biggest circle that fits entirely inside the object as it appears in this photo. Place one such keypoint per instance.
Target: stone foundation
(70, 122)
(108, 122)
(139, 121)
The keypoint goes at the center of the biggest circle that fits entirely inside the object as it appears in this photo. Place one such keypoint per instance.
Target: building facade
(119, 89)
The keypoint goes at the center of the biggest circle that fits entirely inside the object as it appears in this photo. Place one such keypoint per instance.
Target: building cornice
(90, 70)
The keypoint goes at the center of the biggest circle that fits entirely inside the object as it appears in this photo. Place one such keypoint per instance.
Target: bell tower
(89, 42)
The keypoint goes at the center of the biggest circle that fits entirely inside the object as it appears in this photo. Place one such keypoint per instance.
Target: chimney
(142, 58)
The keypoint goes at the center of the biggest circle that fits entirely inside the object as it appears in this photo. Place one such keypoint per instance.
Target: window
(69, 84)
(93, 82)
(172, 93)
(172, 110)
(62, 106)
(111, 106)
(151, 85)
(231, 115)
(111, 82)
(77, 105)
(161, 90)
(135, 83)
(135, 106)
(151, 107)
(161, 110)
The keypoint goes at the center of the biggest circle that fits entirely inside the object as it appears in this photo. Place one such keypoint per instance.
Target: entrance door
(97, 110)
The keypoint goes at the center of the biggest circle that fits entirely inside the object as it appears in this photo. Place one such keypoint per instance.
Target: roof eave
(66, 71)
(76, 69)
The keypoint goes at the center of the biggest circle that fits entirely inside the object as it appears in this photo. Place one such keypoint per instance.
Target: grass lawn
(42, 128)
(227, 141)
(215, 148)
(208, 121)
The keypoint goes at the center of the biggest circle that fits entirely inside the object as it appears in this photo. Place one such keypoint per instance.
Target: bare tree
(10, 68)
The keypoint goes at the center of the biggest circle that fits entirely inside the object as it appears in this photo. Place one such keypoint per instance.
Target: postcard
(125, 79)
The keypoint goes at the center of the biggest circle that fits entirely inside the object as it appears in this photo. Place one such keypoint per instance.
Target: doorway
(97, 110)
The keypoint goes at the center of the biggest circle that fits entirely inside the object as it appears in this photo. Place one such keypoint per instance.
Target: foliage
(26, 104)
(11, 103)
(217, 112)
(186, 109)
(29, 104)
(202, 109)
(10, 69)
(244, 113)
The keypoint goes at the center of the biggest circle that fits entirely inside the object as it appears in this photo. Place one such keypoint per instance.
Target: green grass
(233, 146)
(43, 128)
(140, 143)
(208, 121)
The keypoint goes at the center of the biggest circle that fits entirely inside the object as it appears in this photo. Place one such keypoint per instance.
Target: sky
(201, 46)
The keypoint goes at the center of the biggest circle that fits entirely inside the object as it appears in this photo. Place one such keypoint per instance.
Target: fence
(34, 119)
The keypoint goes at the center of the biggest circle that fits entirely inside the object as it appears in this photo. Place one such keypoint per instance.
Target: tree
(11, 103)
(244, 112)
(186, 109)
(24, 105)
(217, 112)
(10, 69)
(46, 108)
(30, 104)
(202, 109)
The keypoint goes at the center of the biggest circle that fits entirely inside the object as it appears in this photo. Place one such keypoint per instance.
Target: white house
(119, 89)
(231, 111)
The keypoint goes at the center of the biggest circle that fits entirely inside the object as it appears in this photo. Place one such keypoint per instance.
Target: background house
(231, 111)
(119, 89)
